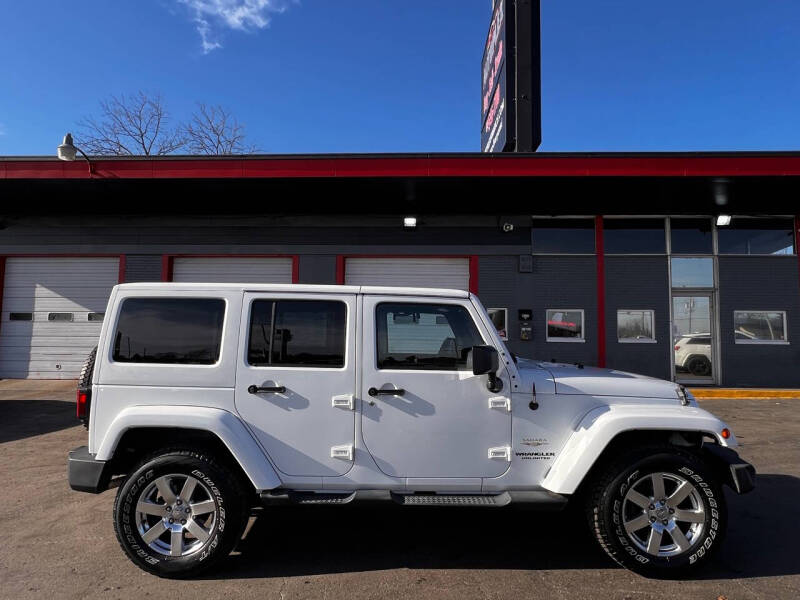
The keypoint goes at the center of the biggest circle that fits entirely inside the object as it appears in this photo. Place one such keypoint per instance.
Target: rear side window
(297, 333)
(185, 331)
(424, 336)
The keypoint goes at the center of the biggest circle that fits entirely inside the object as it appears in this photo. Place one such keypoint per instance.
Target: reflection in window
(565, 325)
(759, 327)
(424, 336)
(692, 272)
(60, 317)
(634, 236)
(635, 326)
(563, 236)
(169, 330)
(297, 333)
(691, 236)
(757, 236)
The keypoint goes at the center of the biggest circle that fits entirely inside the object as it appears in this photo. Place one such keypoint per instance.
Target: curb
(744, 394)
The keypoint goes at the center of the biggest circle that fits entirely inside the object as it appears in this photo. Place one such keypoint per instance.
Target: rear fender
(226, 426)
(600, 426)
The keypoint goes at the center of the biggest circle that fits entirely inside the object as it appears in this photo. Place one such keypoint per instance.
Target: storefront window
(635, 326)
(757, 236)
(692, 272)
(759, 327)
(634, 236)
(565, 325)
(691, 236)
(563, 236)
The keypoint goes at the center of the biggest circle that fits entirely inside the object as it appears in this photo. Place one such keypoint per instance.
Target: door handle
(276, 389)
(390, 392)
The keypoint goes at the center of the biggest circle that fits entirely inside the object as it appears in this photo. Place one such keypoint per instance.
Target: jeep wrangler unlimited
(206, 400)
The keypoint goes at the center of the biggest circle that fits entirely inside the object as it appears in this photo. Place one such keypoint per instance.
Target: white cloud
(241, 15)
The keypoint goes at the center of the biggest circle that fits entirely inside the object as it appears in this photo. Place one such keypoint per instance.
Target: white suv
(206, 400)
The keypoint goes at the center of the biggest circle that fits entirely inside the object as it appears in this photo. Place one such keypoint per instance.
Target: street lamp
(68, 151)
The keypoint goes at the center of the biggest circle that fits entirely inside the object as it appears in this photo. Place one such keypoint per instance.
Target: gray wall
(759, 283)
(638, 282)
(556, 282)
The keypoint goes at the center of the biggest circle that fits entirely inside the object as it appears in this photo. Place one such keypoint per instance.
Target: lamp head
(67, 149)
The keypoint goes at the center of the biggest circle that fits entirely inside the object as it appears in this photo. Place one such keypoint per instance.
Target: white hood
(591, 381)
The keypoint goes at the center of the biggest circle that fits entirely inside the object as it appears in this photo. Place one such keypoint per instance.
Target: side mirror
(485, 361)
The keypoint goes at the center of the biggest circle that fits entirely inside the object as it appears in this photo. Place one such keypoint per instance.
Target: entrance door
(424, 414)
(295, 380)
(693, 338)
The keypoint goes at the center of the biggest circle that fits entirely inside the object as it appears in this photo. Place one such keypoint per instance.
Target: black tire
(699, 366)
(605, 503)
(230, 518)
(85, 378)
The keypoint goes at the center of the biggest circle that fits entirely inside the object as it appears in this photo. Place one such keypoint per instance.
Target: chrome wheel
(176, 514)
(663, 514)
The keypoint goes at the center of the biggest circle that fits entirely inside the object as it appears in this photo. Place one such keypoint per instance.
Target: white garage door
(233, 270)
(52, 312)
(450, 273)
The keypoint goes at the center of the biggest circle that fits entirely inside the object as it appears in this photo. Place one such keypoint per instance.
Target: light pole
(68, 151)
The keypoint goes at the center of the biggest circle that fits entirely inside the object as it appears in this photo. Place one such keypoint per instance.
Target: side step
(315, 498)
(452, 499)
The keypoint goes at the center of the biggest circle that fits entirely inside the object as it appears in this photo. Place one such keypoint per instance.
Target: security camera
(508, 227)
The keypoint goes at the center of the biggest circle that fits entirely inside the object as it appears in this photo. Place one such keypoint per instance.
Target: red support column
(340, 269)
(123, 261)
(166, 267)
(473, 275)
(601, 291)
(295, 269)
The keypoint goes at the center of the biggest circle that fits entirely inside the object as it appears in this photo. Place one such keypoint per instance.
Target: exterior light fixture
(723, 220)
(410, 222)
(69, 151)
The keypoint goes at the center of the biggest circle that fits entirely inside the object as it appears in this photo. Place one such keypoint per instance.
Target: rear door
(295, 381)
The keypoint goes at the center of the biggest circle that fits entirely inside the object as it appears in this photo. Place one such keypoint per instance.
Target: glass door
(693, 337)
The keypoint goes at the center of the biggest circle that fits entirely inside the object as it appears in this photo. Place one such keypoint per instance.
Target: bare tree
(212, 130)
(131, 125)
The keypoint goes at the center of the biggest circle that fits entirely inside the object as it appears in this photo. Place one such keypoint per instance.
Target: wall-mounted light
(69, 151)
(508, 227)
(409, 222)
(723, 220)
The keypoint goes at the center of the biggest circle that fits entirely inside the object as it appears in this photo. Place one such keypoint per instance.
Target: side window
(297, 333)
(424, 336)
(184, 331)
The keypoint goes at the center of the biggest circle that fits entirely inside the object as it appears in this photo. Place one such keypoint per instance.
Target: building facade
(624, 261)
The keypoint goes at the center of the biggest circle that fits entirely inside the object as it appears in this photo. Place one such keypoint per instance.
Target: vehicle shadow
(298, 541)
(28, 418)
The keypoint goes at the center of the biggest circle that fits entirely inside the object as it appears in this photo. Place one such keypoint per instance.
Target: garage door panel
(41, 348)
(450, 273)
(233, 269)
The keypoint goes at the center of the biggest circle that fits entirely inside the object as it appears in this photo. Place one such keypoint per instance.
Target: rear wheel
(179, 513)
(658, 511)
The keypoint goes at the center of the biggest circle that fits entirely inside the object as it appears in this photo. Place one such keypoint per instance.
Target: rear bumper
(85, 473)
(737, 473)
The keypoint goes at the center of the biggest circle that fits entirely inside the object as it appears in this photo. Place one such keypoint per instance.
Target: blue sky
(404, 75)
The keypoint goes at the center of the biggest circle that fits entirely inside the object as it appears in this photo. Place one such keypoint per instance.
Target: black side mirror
(485, 361)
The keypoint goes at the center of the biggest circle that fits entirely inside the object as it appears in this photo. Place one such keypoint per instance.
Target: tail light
(82, 402)
(677, 347)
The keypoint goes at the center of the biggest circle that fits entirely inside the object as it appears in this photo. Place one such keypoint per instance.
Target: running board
(452, 499)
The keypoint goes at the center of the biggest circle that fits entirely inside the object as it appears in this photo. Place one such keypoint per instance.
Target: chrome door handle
(276, 389)
(390, 392)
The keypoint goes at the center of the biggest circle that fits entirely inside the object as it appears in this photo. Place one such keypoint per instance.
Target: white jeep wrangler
(206, 400)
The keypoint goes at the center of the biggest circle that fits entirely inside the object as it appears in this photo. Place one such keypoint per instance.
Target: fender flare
(225, 425)
(600, 426)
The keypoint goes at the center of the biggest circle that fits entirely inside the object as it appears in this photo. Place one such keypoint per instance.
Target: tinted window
(60, 317)
(564, 325)
(17, 316)
(424, 336)
(756, 236)
(634, 236)
(691, 236)
(760, 326)
(297, 333)
(169, 330)
(635, 325)
(563, 236)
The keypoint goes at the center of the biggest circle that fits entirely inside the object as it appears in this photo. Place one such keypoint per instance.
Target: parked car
(207, 400)
(693, 354)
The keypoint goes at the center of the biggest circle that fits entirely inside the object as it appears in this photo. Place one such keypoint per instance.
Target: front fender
(603, 424)
(226, 426)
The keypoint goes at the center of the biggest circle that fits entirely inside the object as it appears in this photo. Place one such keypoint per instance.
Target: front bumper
(85, 473)
(737, 473)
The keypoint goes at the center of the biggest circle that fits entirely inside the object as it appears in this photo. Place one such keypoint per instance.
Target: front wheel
(658, 511)
(179, 513)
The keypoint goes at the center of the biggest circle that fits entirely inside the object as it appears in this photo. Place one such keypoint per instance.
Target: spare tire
(85, 378)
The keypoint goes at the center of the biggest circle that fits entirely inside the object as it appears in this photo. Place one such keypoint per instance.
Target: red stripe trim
(411, 166)
(123, 263)
(601, 291)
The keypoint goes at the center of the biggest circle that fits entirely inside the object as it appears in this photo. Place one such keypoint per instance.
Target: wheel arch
(606, 431)
(141, 430)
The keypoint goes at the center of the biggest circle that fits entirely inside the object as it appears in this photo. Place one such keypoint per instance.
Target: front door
(295, 380)
(693, 338)
(425, 415)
